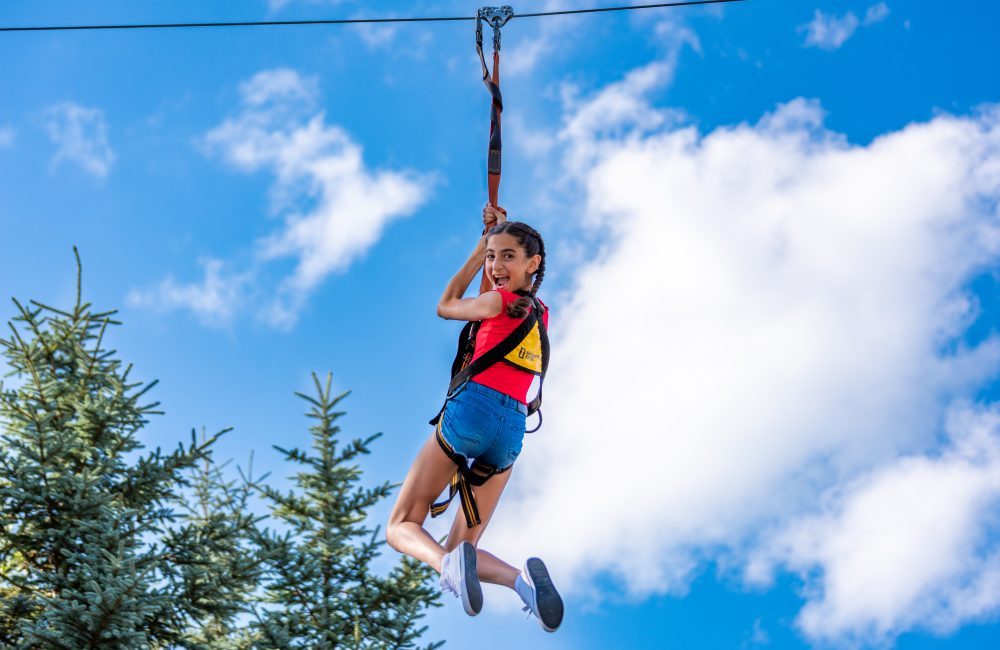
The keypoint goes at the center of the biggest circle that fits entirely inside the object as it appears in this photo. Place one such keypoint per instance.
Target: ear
(534, 263)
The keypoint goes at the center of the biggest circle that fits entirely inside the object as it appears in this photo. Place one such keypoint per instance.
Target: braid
(540, 273)
(532, 243)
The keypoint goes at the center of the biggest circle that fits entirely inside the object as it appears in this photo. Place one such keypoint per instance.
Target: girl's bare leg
(430, 473)
(489, 567)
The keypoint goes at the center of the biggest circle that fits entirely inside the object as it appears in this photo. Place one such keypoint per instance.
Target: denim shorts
(485, 424)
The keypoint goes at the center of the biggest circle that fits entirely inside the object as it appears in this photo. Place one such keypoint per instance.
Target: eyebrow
(505, 250)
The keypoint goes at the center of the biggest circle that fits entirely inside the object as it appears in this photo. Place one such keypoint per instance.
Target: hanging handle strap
(496, 17)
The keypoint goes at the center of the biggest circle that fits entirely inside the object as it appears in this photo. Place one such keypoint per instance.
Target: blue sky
(773, 273)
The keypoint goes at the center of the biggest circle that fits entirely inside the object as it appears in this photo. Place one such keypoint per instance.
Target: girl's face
(507, 265)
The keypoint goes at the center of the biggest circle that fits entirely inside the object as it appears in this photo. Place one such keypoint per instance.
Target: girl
(483, 419)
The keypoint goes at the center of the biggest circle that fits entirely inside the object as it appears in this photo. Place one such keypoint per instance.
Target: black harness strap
(496, 353)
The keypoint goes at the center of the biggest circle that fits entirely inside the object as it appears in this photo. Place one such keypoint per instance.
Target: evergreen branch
(97, 350)
(79, 277)
(30, 365)
(33, 324)
(46, 307)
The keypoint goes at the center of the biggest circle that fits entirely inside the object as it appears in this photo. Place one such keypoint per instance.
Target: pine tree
(320, 592)
(217, 562)
(104, 547)
(83, 512)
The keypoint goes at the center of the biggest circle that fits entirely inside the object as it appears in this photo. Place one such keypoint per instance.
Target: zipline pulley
(496, 17)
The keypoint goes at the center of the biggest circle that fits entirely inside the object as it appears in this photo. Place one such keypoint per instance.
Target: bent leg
(430, 474)
(490, 568)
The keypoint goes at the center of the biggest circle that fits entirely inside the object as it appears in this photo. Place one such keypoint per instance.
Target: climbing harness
(527, 349)
(467, 477)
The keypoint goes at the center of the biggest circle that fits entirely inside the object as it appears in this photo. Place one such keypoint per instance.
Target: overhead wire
(354, 21)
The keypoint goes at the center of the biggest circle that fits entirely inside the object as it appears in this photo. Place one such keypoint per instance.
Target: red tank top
(501, 376)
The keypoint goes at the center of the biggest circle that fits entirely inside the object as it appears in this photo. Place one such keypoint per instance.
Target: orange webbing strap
(496, 108)
(493, 156)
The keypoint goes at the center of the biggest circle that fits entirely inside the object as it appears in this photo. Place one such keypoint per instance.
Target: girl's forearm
(458, 285)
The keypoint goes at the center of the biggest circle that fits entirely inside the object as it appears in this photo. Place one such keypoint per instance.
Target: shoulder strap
(496, 353)
(535, 405)
(466, 346)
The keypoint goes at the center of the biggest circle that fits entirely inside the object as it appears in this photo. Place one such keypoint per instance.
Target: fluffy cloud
(829, 32)
(376, 36)
(81, 137)
(773, 320)
(908, 544)
(333, 208)
(214, 300)
(548, 36)
(540, 40)
(876, 13)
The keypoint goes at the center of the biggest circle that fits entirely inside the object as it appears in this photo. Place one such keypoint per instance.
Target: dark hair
(532, 244)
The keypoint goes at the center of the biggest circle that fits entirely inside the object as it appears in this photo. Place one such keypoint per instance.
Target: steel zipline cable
(355, 21)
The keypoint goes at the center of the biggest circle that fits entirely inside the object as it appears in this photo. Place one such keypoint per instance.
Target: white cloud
(876, 13)
(522, 50)
(531, 44)
(376, 36)
(81, 137)
(907, 545)
(333, 208)
(829, 32)
(674, 35)
(281, 90)
(214, 300)
(6, 135)
(771, 317)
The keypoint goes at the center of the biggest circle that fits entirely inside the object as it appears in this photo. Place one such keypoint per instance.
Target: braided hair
(532, 244)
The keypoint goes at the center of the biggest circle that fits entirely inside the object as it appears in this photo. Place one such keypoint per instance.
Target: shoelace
(448, 587)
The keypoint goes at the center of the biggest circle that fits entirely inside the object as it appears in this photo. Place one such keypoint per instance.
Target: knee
(392, 534)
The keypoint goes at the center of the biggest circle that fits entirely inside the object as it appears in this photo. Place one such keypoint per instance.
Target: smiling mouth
(500, 281)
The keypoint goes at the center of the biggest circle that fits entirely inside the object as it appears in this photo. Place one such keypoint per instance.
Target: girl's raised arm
(453, 307)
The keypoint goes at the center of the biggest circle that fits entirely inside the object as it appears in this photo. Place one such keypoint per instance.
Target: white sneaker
(543, 601)
(458, 576)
